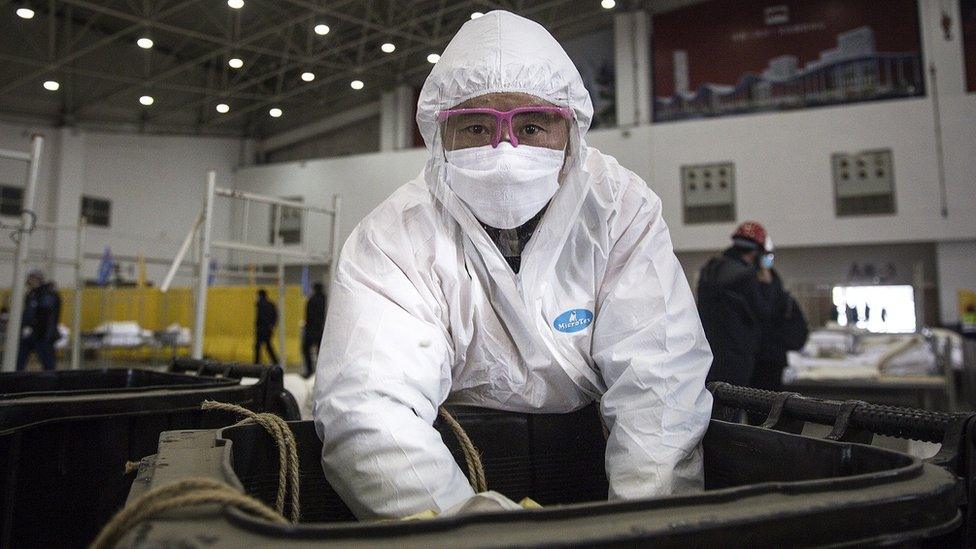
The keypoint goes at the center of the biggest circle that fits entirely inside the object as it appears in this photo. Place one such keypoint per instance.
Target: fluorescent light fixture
(275, 112)
(308, 76)
(144, 43)
(235, 4)
(433, 58)
(147, 100)
(52, 85)
(235, 62)
(223, 108)
(356, 84)
(608, 4)
(388, 47)
(322, 29)
(25, 13)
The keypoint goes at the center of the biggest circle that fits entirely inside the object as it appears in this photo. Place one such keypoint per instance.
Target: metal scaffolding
(202, 230)
(22, 231)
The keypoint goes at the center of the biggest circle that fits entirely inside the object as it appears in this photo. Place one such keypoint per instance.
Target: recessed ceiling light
(144, 43)
(308, 76)
(235, 62)
(322, 29)
(608, 4)
(147, 100)
(223, 108)
(52, 85)
(357, 84)
(388, 47)
(275, 112)
(236, 4)
(25, 13)
(433, 58)
(476, 15)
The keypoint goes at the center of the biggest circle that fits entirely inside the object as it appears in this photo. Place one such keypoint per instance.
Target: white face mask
(504, 186)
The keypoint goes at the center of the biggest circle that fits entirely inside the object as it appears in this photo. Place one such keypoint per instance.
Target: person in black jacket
(39, 327)
(731, 308)
(314, 326)
(785, 329)
(264, 325)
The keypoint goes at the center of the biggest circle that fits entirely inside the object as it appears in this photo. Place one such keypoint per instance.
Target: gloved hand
(485, 502)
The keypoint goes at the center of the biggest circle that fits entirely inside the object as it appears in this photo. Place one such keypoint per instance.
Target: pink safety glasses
(533, 126)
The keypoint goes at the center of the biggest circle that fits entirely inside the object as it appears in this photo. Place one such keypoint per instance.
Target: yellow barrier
(228, 335)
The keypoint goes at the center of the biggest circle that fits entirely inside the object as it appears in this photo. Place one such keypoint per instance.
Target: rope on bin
(287, 450)
(189, 492)
(476, 470)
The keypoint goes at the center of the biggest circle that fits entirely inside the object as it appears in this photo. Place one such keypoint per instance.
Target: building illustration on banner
(852, 71)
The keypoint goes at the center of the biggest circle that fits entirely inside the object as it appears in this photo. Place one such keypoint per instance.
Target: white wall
(155, 183)
(362, 181)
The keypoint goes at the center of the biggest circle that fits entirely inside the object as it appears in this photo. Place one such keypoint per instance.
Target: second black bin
(65, 438)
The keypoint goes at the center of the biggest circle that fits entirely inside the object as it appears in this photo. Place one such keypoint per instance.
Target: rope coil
(288, 476)
(185, 493)
(202, 491)
(476, 470)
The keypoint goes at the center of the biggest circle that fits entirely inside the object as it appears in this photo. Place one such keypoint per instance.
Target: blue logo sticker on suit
(573, 320)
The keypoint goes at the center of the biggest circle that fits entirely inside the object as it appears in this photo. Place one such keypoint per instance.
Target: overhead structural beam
(325, 125)
(381, 61)
(193, 63)
(81, 52)
(383, 29)
(181, 31)
(132, 80)
(322, 55)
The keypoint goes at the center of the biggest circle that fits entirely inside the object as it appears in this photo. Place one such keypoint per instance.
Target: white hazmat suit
(424, 308)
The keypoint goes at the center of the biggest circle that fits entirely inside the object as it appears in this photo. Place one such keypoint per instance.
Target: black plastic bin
(764, 487)
(106, 380)
(63, 448)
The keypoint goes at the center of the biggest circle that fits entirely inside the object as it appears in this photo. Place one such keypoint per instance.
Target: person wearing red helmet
(731, 305)
(750, 320)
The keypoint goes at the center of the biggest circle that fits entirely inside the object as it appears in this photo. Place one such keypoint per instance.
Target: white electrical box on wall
(864, 182)
(708, 192)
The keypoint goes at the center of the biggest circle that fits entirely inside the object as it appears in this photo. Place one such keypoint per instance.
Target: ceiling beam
(356, 67)
(81, 52)
(319, 127)
(378, 62)
(193, 63)
(132, 80)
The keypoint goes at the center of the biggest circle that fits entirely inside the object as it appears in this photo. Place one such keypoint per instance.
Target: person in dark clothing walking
(731, 309)
(264, 325)
(314, 326)
(39, 332)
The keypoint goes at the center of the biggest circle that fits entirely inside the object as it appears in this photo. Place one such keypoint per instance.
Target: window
(879, 309)
(96, 211)
(11, 200)
(291, 223)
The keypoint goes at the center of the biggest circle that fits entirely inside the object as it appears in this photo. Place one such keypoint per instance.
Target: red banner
(736, 56)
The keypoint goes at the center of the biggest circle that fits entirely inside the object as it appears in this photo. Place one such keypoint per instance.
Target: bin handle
(844, 431)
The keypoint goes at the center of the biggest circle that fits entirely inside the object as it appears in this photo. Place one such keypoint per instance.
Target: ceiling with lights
(232, 67)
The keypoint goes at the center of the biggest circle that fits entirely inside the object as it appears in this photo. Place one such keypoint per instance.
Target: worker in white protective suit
(429, 306)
